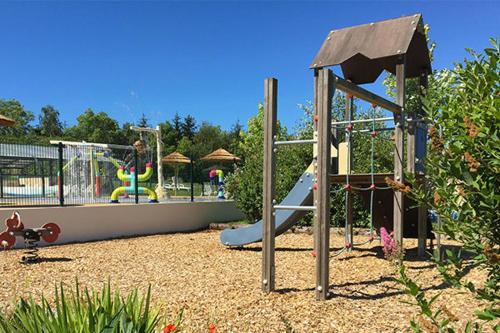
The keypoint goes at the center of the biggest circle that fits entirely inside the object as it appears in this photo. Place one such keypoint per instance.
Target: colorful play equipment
(130, 178)
(85, 173)
(363, 52)
(49, 232)
(216, 177)
(160, 190)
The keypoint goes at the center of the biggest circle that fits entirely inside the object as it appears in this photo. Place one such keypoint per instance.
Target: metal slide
(300, 195)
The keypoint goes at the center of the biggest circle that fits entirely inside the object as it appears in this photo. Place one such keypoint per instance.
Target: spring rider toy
(130, 179)
(49, 232)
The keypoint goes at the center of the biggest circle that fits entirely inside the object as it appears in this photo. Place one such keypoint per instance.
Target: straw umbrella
(6, 121)
(221, 155)
(176, 159)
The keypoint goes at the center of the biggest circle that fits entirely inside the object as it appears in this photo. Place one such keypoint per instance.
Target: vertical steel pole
(42, 172)
(192, 176)
(136, 176)
(268, 232)
(60, 149)
(1, 184)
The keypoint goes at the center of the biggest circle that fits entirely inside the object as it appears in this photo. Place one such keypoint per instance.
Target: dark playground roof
(364, 51)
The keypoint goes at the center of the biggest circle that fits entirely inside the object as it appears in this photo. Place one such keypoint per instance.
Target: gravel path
(215, 284)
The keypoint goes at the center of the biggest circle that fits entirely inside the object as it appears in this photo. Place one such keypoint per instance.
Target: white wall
(84, 223)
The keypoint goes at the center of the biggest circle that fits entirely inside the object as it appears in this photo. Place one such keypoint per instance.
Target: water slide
(300, 195)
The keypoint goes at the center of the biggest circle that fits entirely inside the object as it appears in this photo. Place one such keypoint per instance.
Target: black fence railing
(80, 174)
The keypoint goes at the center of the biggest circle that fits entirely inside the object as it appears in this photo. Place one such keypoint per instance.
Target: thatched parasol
(220, 155)
(175, 159)
(6, 121)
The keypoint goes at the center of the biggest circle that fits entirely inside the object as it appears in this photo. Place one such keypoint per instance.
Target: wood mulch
(214, 284)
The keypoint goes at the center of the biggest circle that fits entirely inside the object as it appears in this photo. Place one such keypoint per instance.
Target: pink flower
(389, 244)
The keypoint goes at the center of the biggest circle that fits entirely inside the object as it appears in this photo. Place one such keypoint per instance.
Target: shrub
(83, 311)
(461, 184)
(246, 182)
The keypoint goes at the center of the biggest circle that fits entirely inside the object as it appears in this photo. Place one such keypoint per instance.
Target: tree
(177, 127)
(143, 121)
(168, 137)
(246, 182)
(95, 127)
(234, 138)
(16, 111)
(188, 127)
(49, 124)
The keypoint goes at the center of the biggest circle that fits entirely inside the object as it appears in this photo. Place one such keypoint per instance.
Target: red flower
(170, 328)
(212, 328)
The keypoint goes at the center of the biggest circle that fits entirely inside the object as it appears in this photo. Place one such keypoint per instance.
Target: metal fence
(79, 174)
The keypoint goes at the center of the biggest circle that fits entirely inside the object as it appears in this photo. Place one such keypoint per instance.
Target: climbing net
(348, 186)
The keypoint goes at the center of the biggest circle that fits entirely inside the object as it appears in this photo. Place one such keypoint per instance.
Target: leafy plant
(461, 183)
(83, 311)
(246, 182)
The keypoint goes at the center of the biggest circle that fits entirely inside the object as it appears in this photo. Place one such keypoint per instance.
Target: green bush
(246, 182)
(462, 182)
(83, 311)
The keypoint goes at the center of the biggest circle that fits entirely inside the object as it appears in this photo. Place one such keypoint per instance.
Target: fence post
(42, 172)
(60, 148)
(136, 176)
(1, 184)
(191, 174)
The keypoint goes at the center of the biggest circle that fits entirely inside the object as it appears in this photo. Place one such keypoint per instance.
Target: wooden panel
(268, 239)
(343, 157)
(399, 152)
(322, 217)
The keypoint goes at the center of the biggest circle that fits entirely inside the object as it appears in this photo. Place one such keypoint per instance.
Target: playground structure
(132, 179)
(215, 174)
(216, 177)
(49, 232)
(363, 53)
(160, 190)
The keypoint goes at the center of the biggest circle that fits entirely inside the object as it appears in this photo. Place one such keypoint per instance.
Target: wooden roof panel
(366, 50)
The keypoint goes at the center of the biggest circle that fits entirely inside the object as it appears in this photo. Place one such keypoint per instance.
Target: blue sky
(207, 59)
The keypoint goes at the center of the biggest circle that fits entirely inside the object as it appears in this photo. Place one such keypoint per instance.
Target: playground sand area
(214, 284)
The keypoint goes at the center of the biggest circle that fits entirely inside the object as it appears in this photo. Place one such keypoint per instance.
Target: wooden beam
(326, 86)
(268, 232)
(399, 152)
(422, 209)
(348, 237)
(366, 95)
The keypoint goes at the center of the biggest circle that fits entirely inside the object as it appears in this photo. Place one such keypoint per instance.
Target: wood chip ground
(214, 284)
